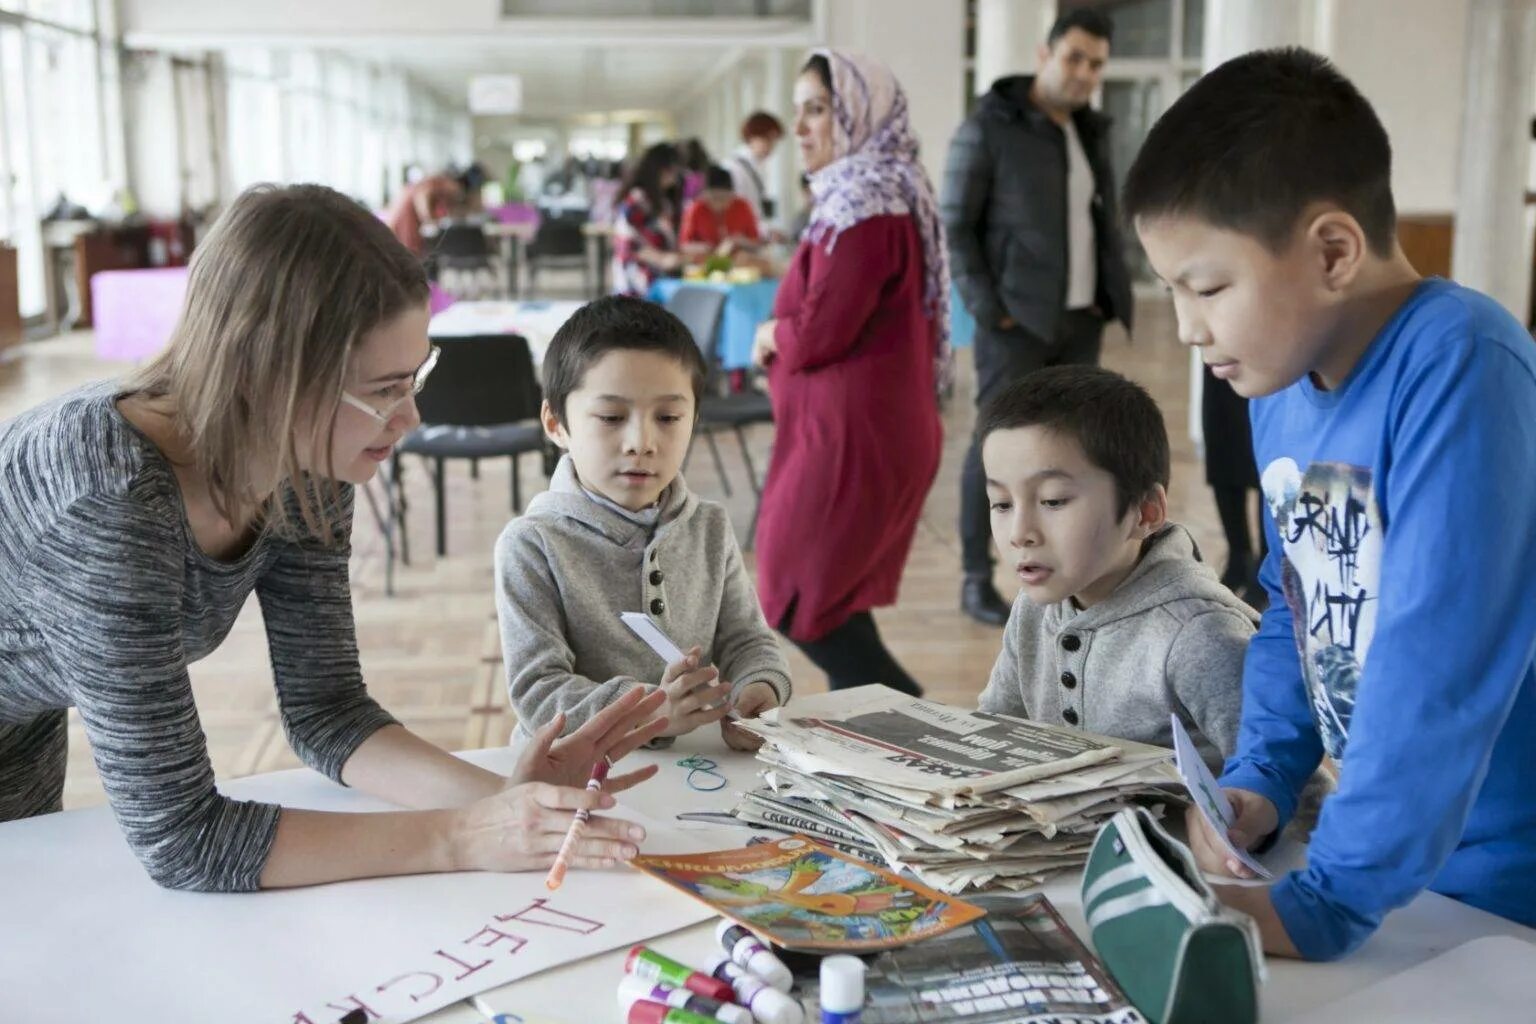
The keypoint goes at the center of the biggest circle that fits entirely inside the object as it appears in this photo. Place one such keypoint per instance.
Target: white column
(1491, 253)
(923, 43)
(1233, 27)
(1008, 37)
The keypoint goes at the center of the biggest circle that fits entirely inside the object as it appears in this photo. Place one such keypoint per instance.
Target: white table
(583, 992)
(536, 321)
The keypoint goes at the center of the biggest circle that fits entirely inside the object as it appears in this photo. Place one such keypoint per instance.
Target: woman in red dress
(854, 354)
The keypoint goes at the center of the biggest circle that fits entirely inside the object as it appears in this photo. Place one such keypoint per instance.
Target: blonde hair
(281, 291)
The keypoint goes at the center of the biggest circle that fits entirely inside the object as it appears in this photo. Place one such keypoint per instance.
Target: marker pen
(748, 951)
(646, 1012)
(633, 988)
(768, 1004)
(661, 970)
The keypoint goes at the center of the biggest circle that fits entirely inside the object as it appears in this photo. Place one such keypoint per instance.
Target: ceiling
(560, 79)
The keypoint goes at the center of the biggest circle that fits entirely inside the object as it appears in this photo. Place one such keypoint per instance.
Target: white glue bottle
(842, 990)
(768, 1004)
(748, 951)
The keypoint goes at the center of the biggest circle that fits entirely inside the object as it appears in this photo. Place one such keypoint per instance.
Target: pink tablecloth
(135, 310)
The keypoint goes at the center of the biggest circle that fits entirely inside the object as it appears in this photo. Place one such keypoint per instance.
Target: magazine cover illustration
(803, 895)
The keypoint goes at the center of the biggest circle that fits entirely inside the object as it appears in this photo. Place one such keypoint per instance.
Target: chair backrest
(558, 236)
(462, 241)
(700, 310)
(481, 381)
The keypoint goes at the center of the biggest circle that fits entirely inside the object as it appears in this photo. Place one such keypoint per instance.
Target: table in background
(535, 320)
(746, 306)
(136, 310)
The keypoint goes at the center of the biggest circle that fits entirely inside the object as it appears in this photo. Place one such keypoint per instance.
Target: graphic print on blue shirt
(1330, 533)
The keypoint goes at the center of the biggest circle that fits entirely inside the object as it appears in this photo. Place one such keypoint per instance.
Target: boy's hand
(753, 700)
(695, 696)
(1254, 817)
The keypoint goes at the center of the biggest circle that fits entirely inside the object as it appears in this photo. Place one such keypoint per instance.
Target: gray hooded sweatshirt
(568, 567)
(1170, 638)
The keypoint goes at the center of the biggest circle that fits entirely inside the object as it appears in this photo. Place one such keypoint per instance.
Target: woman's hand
(753, 700)
(616, 730)
(764, 346)
(695, 696)
(1254, 817)
(521, 829)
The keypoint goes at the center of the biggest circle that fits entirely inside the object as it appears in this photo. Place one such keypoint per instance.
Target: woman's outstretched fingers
(619, 783)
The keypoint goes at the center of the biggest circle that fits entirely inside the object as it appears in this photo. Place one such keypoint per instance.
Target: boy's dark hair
(607, 325)
(1118, 425)
(1086, 19)
(719, 177)
(1257, 140)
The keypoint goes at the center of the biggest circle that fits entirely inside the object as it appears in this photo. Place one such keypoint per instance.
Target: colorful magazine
(803, 895)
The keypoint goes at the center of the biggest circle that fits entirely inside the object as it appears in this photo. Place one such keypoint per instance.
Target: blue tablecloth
(962, 326)
(747, 305)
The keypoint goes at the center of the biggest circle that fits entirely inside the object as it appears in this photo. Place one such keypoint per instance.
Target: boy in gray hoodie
(1119, 622)
(618, 531)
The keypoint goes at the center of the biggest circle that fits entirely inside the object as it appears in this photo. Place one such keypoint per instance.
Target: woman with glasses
(136, 518)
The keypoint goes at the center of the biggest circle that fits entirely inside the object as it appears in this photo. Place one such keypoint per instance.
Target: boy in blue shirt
(1395, 432)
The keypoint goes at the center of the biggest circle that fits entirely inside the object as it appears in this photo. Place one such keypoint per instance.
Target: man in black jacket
(1034, 244)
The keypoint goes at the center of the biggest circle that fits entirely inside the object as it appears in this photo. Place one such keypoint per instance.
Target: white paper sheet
(85, 934)
(1208, 796)
(654, 638)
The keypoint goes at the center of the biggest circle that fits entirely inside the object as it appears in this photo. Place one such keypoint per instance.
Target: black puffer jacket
(1004, 208)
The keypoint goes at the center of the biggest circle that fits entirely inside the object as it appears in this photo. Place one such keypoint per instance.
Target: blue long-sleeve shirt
(1401, 629)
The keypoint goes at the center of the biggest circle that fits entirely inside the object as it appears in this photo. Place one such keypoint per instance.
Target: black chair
(482, 402)
(701, 310)
(463, 262)
(559, 243)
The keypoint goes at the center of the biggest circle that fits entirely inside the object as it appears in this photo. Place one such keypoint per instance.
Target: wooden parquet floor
(431, 653)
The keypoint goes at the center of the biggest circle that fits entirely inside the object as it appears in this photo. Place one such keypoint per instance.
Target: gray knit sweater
(105, 599)
(1170, 638)
(569, 566)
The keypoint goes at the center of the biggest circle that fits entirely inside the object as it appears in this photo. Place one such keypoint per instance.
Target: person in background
(719, 219)
(644, 226)
(854, 355)
(1232, 473)
(696, 164)
(760, 134)
(424, 201)
(1029, 210)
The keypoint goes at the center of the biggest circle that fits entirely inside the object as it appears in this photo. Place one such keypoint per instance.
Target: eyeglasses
(418, 381)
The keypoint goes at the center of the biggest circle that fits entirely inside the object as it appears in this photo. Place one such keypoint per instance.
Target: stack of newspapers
(964, 799)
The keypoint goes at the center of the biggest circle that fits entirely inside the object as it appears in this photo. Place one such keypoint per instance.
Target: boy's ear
(1340, 244)
(553, 428)
(1152, 511)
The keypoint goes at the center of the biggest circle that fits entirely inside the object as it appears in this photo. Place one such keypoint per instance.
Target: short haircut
(613, 323)
(761, 125)
(1256, 141)
(719, 177)
(1086, 19)
(1118, 425)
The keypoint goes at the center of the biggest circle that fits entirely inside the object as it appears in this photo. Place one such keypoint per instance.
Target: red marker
(578, 824)
(660, 970)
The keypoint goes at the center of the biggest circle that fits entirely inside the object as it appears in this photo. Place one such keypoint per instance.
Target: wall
(1416, 85)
